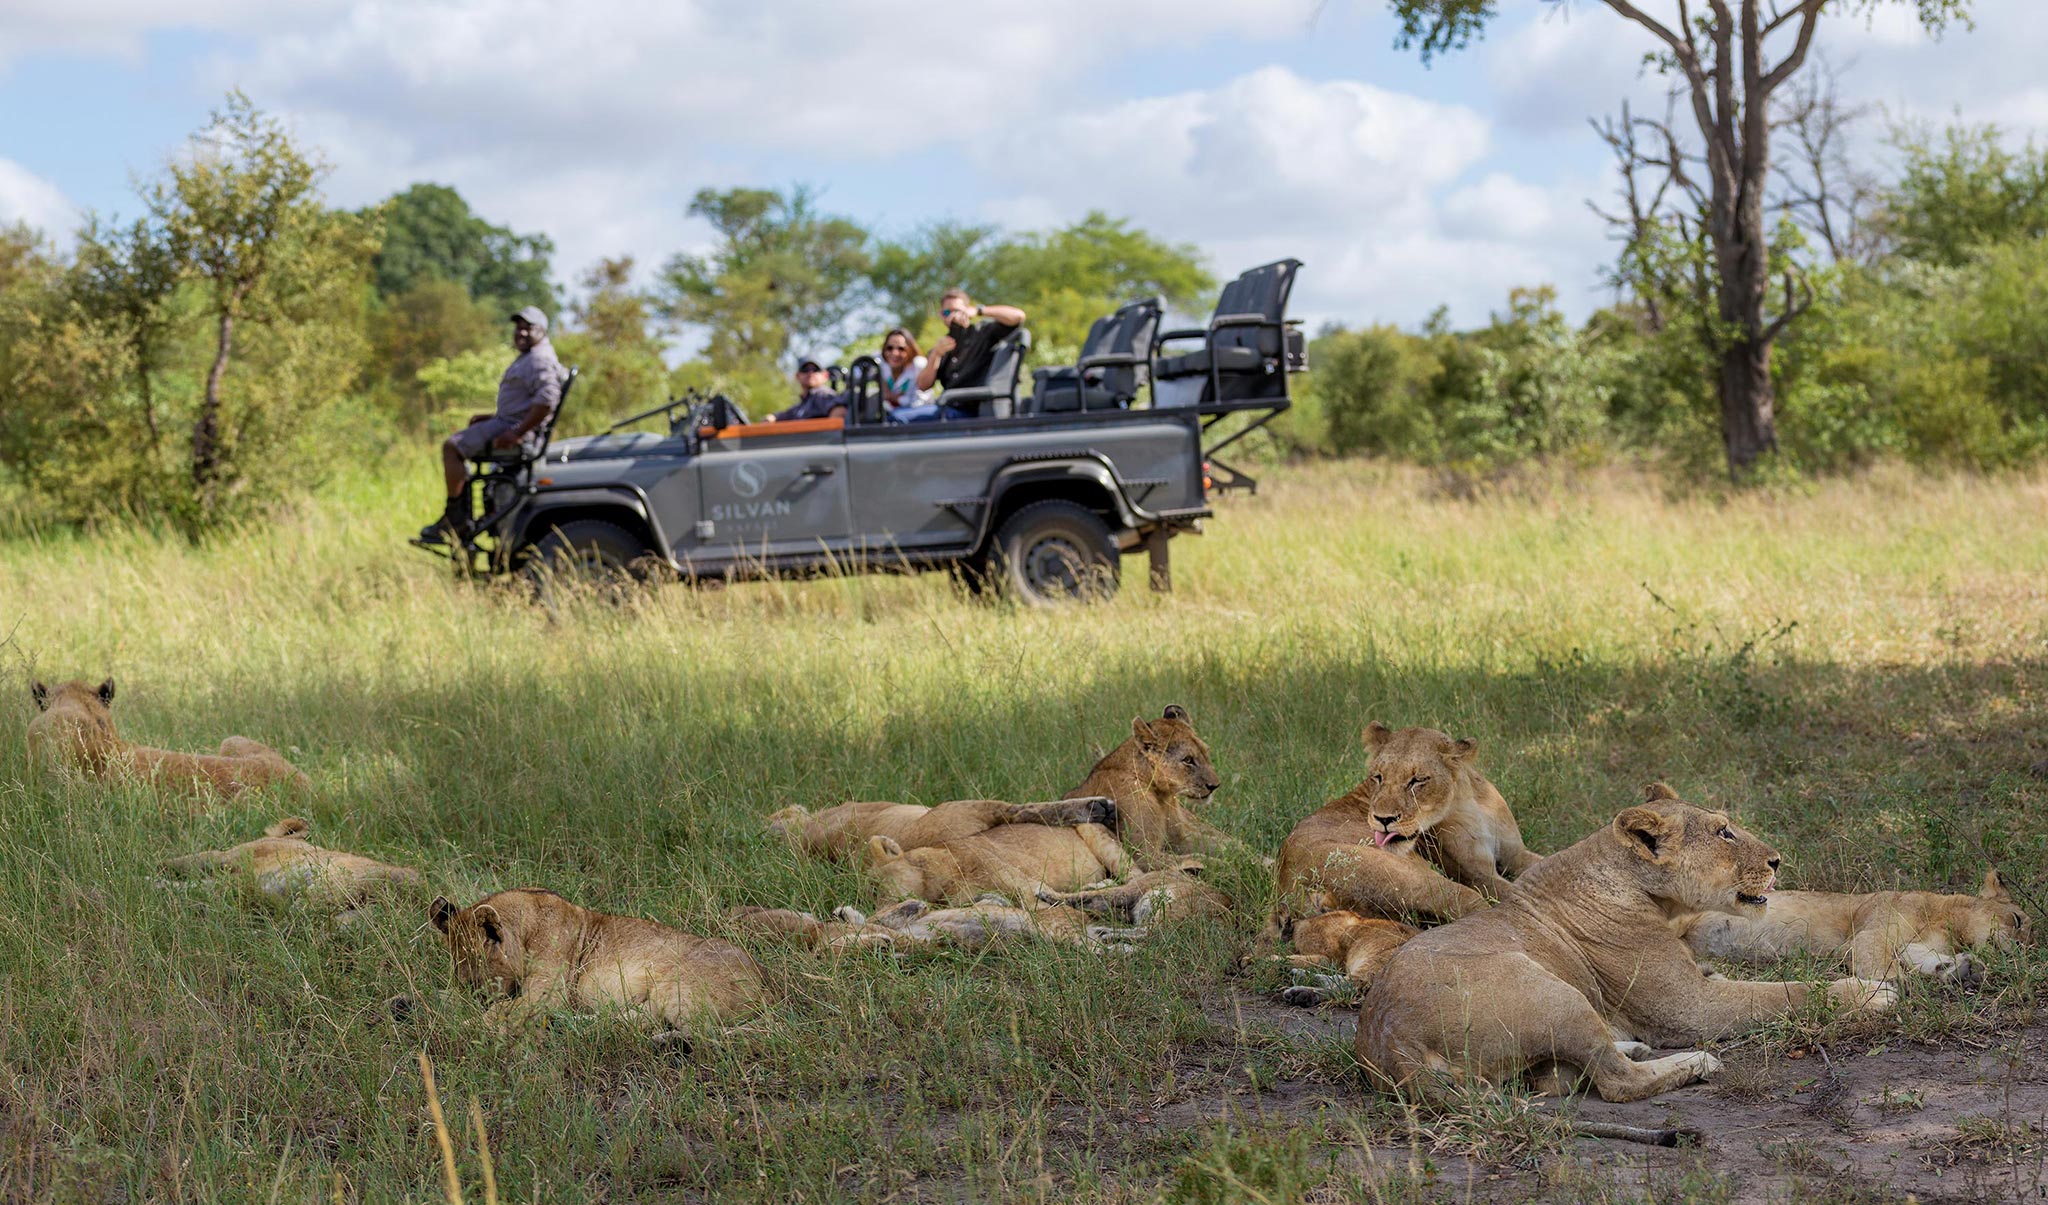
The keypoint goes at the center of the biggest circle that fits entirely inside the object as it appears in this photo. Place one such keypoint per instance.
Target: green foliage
(1063, 279)
(430, 233)
(455, 387)
(1962, 190)
(432, 321)
(199, 365)
(614, 347)
(781, 277)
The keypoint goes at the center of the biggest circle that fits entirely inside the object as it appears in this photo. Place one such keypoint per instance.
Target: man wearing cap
(528, 392)
(815, 398)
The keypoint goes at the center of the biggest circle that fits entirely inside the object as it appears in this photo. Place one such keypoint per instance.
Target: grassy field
(1857, 671)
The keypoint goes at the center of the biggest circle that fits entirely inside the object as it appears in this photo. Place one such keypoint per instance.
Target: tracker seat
(1246, 348)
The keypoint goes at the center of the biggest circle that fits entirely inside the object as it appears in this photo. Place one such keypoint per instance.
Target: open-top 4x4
(1039, 497)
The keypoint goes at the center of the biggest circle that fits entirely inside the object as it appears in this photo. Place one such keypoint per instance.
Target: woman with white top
(900, 365)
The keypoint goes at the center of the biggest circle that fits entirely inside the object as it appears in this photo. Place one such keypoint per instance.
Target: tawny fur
(284, 863)
(913, 923)
(1357, 946)
(1150, 779)
(1579, 966)
(1881, 934)
(1425, 836)
(76, 730)
(544, 952)
(1159, 897)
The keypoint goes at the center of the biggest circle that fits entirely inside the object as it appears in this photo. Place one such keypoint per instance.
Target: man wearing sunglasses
(963, 355)
(815, 398)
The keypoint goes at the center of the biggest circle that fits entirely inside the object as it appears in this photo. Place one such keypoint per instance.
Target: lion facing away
(1883, 934)
(543, 952)
(1333, 948)
(1146, 784)
(1425, 835)
(285, 863)
(1578, 967)
(75, 728)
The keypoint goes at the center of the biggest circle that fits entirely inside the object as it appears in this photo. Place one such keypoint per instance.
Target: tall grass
(1856, 670)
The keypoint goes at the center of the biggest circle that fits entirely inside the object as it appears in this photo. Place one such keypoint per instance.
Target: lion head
(486, 948)
(923, 874)
(1991, 918)
(1413, 783)
(1179, 759)
(1692, 860)
(82, 709)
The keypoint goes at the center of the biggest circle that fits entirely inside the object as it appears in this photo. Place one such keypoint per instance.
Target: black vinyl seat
(1114, 367)
(1247, 346)
(996, 396)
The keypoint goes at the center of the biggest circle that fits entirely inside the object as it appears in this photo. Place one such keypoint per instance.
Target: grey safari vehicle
(1036, 497)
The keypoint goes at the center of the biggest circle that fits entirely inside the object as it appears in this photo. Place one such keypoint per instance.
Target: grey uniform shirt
(535, 377)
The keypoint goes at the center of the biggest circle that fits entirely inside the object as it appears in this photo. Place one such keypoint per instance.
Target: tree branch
(1810, 11)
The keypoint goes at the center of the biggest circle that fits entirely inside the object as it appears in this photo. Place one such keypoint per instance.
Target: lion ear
(1142, 733)
(41, 694)
(1651, 834)
(106, 692)
(1374, 736)
(442, 912)
(493, 924)
(1994, 888)
(1457, 753)
(1175, 711)
(290, 826)
(1658, 791)
(883, 849)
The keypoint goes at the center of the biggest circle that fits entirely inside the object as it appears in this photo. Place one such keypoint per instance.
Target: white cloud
(1364, 184)
(27, 197)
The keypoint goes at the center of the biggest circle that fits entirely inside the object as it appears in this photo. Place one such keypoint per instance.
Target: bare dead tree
(1817, 185)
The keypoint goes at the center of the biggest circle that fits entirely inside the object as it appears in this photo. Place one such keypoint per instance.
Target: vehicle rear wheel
(591, 552)
(1053, 552)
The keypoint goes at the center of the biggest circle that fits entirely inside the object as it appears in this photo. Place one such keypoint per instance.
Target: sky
(1253, 129)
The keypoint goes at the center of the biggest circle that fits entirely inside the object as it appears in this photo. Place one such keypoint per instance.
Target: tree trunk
(206, 450)
(1749, 426)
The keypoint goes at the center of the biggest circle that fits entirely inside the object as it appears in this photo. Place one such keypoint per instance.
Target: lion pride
(75, 728)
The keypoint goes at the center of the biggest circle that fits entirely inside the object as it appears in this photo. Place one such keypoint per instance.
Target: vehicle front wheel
(600, 555)
(1053, 552)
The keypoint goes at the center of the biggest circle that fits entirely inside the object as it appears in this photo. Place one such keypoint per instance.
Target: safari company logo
(747, 481)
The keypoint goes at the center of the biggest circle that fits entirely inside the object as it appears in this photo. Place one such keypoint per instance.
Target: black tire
(1054, 552)
(592, 552)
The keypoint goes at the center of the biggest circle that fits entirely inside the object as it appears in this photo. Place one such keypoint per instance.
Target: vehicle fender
(622, 498)
(1088, 468)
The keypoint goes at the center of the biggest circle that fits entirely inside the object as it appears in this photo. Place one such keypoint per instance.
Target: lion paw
(1303, 996)
(1965, 971)
(1702, 1065)
(1863, 996)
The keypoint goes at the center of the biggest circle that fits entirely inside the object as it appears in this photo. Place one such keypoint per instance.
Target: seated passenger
(963, 355)
(815, 399)
(528, 392)
(901, 364)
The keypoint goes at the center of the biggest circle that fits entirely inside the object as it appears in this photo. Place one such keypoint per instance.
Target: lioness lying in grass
(285, 863)
(542, 952)
(1882, 934)
(76, 729)
(1146, 782)
(1578, 968)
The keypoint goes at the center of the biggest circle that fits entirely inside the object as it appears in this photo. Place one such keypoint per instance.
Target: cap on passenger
(532, 317)
(816, 359)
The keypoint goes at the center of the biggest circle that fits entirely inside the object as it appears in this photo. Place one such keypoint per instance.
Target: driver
(528, 392)
(815, 398)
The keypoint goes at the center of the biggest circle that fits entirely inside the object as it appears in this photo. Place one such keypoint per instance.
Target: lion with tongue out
(1424, 837)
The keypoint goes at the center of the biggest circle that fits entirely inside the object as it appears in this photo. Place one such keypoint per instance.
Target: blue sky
(1252, 128)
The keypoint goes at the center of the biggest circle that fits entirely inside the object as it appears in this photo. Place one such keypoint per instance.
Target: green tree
(126, 278)
(910, 273)
(1727, 58)
(613, 343)
(430, 233)
(782, 277)
(433, 320)
(1961, 191)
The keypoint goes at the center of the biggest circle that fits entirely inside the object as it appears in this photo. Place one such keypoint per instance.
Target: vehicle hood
(622, 445)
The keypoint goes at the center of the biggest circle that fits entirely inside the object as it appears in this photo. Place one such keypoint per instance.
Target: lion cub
(544, 952)
(1885, 934)
(1156, 898)
(76, 728)
(285, 863)
(1424, 835)
(1358, 947)
(1578, 968)
(911, 923)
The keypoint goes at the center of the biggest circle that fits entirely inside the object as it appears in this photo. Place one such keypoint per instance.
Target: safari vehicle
(1036, 497)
